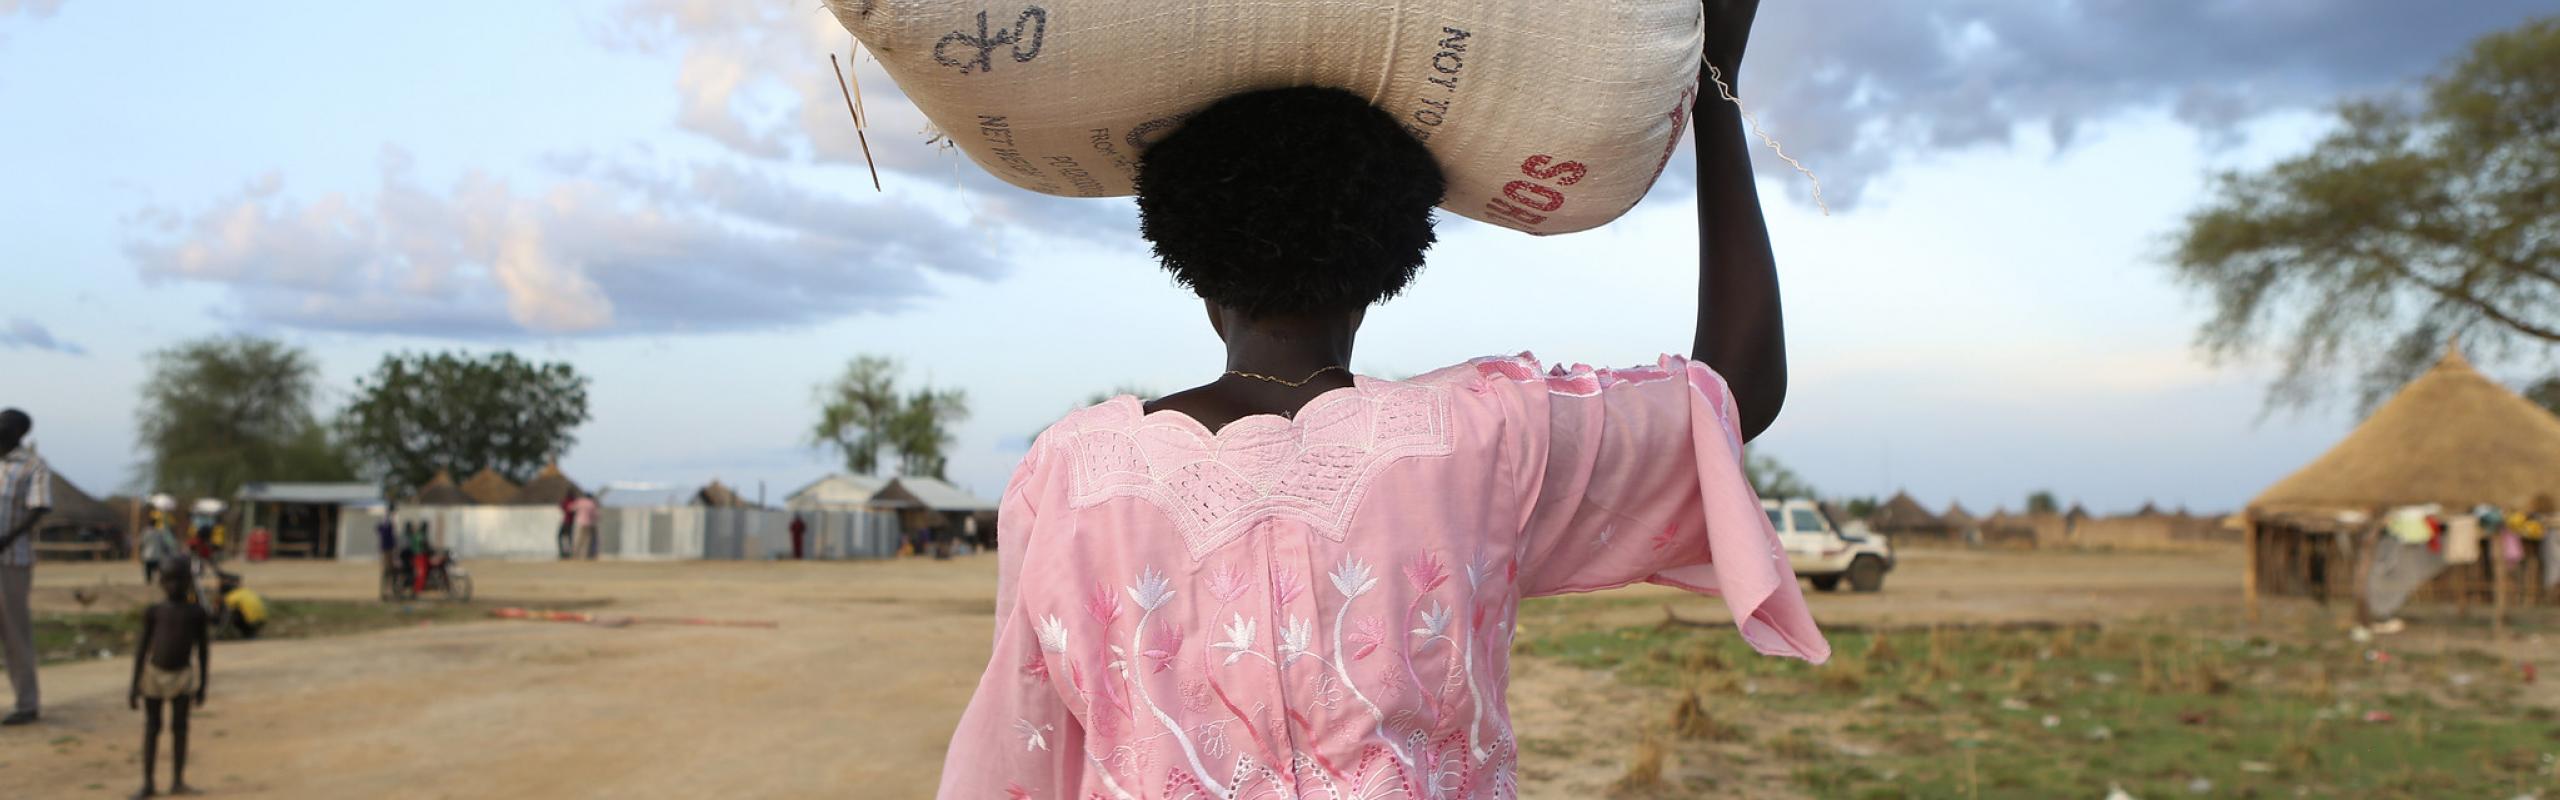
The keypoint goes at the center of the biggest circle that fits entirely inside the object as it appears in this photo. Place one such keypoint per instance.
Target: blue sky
(661, 192)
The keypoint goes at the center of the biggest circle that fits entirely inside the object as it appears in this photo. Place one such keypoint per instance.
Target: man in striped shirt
(26, 493)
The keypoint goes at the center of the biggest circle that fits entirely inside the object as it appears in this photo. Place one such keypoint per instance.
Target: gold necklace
(1311, 377)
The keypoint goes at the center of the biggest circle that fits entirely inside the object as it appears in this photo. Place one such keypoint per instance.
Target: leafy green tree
(2043, 502)
(855, 412)
(221, 411)
(1861, 507)
(920, 432)
(863, 415)
(2545, 393)
(1773, 480)
(422, 412)
(2421, 218)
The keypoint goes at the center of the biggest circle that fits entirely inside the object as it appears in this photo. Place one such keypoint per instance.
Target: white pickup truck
(1822, 554)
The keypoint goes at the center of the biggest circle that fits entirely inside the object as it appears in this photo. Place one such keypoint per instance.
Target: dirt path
(859, 688)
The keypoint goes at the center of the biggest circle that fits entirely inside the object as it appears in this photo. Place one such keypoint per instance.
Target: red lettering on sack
(1545, 199)
(1537, 167)
(1679, 127)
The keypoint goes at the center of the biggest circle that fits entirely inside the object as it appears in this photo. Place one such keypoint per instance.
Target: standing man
(158, 545)
(799, 535)
(386, 535)
(26, 493)
(582, 513)
(568, 525)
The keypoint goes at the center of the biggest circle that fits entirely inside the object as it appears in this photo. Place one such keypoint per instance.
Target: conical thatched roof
(548, 487)
(1957, 517)
(718, 495)
(2452, 436)
(1903, 513)
(73, 508)
(2077, 511)
(440, 492)
(490, 488)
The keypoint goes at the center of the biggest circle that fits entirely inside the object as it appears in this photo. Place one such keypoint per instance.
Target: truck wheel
(1826, 583)
(1866, 574)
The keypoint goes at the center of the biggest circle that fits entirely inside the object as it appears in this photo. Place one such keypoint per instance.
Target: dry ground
(854, 693)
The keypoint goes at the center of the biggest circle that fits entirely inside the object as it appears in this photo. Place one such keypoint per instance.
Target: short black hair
(15, 420)
(1284, 202)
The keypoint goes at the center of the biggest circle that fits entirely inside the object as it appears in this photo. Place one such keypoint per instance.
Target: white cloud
(23, 332)
(38, 9)
(604, 247)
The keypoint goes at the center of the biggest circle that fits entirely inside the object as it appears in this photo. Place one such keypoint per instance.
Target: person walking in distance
(799, 537)
(157, 545)
(582, 513)
(26, 493)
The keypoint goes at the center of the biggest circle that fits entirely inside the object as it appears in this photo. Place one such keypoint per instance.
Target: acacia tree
(2042, 502)
(920, 432)
(225, 410)
(862, 415)
(423, 412)
(2423, 217)
(1773, 480)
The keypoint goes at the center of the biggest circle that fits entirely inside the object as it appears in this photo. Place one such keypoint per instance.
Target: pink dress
(1322, 607)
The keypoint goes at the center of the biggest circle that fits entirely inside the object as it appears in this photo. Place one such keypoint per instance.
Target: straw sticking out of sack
(1717, 76)
(853, 105)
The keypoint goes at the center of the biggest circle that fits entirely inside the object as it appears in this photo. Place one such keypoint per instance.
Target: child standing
(171, 668)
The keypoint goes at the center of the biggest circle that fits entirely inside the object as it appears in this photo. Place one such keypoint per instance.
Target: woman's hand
(1728, 34)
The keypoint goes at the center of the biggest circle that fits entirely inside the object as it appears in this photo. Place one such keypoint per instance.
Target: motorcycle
(444, 575)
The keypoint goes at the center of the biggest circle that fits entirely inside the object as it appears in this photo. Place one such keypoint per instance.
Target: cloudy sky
(667, 193)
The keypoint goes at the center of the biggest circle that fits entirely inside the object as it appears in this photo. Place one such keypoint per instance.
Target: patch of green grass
(2153, 706)
(82, 636)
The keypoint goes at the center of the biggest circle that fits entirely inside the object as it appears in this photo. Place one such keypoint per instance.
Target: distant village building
(489, 488)
(440, 491)
(2453, 438)
(1904, 519)
(78, 526)
(837, 492)
(549, 487)
(306, 520)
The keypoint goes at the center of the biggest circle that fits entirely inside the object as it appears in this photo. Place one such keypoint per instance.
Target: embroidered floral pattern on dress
(1213, 486)
(1247, 632)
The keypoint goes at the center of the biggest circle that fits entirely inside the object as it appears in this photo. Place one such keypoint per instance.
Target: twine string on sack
(1717, 76)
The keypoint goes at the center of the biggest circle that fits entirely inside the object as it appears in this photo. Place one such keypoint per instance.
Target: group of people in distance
(172, 664)
(408, 547)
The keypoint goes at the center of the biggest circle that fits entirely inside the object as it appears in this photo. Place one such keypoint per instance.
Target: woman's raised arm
(1740, 332)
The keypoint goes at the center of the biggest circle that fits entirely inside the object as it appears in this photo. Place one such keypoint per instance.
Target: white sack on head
(1548, 117)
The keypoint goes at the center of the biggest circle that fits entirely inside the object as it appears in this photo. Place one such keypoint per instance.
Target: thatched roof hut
(73, 508)
(718, 495)
(2452, 437)
(440, 491)
(490, 488)
(1903, 513)
(549, 487)
(1957, 518)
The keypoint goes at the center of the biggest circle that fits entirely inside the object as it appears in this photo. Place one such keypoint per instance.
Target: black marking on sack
(1448, 64)
(1144, 134)
(1034, 23)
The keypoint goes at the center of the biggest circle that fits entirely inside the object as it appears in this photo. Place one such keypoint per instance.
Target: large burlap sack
(1548, 117)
